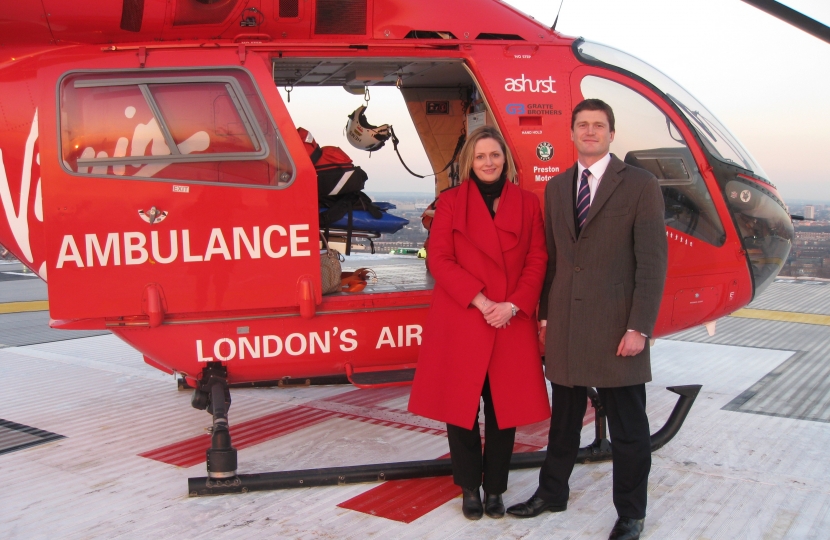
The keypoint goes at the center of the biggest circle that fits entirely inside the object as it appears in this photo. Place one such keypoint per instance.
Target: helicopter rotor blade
(793, 17)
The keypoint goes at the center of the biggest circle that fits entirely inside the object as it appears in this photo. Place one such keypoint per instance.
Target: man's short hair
(593, 105)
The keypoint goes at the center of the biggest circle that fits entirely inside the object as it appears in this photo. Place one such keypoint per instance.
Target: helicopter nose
(765, 227)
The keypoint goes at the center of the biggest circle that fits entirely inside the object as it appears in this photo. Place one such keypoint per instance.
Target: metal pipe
(380, 472)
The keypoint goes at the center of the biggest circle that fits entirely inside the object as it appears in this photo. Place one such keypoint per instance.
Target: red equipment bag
(336, 173)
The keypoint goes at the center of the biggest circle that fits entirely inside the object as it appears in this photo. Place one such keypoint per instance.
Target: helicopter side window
(206, 126)
(648, 139)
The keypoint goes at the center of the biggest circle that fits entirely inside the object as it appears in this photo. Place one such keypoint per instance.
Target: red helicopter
(151, 173)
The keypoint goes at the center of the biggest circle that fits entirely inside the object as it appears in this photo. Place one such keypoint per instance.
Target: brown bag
(329, 268)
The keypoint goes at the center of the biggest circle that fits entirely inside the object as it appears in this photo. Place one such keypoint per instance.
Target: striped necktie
(583, 199)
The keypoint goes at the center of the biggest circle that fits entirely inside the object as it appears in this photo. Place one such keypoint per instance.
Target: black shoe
(493, 506)
(535, 506)
(471, 504)
(626, 529)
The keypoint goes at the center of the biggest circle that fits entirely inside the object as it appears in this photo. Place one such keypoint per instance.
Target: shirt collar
(597, 169)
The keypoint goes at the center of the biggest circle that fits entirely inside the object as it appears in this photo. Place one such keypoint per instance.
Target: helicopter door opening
(176, 181)
(429, 104)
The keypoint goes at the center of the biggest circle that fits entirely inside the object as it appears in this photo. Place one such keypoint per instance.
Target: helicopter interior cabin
(432, 104)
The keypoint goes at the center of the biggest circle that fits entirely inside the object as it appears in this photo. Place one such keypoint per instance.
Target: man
(607, 265)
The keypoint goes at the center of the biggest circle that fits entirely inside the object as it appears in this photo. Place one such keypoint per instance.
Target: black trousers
(625, 408)
(468, 465)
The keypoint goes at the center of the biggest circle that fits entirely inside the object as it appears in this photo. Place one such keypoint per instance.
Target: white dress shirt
(597, 172)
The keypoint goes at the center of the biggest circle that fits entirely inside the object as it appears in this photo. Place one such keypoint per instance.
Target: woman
(488, 257)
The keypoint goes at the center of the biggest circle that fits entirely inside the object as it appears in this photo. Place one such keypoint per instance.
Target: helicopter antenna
(553, 28)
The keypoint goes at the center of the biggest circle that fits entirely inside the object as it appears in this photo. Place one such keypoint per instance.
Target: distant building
(809, 212)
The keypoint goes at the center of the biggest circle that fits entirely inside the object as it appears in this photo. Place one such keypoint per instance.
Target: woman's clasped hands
(496, 314)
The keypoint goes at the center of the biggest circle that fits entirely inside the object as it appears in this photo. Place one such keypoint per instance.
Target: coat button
(577, 269)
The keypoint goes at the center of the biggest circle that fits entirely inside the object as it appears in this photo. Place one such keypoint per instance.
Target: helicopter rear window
(208, 126)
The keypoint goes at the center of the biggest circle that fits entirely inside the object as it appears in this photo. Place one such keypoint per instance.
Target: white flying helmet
(363, 135)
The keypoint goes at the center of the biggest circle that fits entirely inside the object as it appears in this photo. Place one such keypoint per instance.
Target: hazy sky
(768, 82)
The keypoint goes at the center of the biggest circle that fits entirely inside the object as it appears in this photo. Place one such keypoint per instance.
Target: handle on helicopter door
(153, 304)
(305, 297)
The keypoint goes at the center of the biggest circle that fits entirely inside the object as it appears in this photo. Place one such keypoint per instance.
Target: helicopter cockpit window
(765, 227)
(646, 138)
(720, 143)
(203, 126)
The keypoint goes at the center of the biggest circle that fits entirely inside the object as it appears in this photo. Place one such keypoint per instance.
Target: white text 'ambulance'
(131, 248)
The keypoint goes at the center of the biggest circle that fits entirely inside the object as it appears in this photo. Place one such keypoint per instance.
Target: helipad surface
(750, 461)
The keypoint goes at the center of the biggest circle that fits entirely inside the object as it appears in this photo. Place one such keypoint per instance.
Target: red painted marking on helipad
(407, 500)
(191, 451)
(369, 397)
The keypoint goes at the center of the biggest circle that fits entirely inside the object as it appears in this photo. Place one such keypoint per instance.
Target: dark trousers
(465, 451)
(625, 408)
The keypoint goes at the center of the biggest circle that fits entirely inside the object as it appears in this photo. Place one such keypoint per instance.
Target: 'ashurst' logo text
(130, 248)
(539, 86)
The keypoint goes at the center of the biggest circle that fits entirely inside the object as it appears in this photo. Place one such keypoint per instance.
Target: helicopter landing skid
(214, 396)
(599, 450)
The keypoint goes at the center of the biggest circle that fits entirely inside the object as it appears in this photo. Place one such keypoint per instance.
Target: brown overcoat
(608, 280)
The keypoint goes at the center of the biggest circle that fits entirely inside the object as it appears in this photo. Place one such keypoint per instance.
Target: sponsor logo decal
(515, 108)
(153, 215)
(744, 195)
(543, 109)
(17, 216)
(544, 151)
(523, 84)
(533, 109)
(544, 174)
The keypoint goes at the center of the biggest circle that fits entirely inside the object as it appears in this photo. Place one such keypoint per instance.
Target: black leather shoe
(471, 505)
(493, 506)
(535, 506)
(626, 529)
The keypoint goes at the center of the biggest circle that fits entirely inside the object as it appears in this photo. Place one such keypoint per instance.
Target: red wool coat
(504, 258)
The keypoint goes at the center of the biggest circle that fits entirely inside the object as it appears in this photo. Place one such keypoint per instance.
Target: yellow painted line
(19, 307)
(785, 316)
(746, 313)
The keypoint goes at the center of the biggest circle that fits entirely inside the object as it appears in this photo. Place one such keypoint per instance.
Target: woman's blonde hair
(467, 154)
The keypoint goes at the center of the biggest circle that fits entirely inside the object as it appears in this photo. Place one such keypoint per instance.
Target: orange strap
(355, 281)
